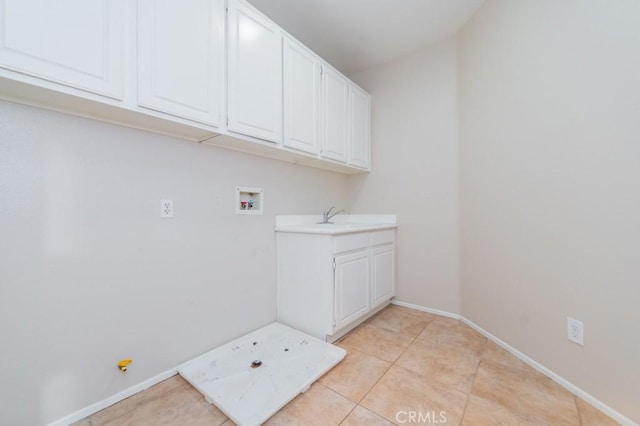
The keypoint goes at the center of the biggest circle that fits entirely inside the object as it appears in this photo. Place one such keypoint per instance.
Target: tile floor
(400, 363)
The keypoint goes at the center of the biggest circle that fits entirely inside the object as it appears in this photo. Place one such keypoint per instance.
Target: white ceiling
(354, 35)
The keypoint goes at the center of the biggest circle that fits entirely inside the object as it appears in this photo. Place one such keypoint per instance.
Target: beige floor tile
(400, 321)
(127, 405)
(480, 412)
(401, 391)
(360, 416)
(449, 366)
(532, 396)
(181, 406)
(318, 406)
(493, 352)
(591, 416)
(377, 342)
(355, 375)
(422, 314)
(432, 374)
(453, 332)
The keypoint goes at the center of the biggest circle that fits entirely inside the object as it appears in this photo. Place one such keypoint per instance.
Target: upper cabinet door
(180, 57)
(359, 127)
(301, 97)
(254, 73)
(77, 43)
(335, 92)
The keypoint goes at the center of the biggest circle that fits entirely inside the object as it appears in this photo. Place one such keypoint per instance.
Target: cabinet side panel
(305, 283)
(359, 128)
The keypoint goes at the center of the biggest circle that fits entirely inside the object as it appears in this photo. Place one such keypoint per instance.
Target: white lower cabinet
(328, 284)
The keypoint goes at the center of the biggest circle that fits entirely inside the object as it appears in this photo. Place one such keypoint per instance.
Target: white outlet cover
(575, 331)
(166, 208)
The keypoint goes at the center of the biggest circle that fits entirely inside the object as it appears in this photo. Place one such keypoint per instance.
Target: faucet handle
(328, 212)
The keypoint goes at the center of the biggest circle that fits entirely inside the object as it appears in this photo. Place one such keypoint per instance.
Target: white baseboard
(620, 418)
(100, 405)
(339, 335)
(428, 310)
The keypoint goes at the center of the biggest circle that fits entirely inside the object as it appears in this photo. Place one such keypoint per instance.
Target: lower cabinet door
(382, 279)
(352, 298)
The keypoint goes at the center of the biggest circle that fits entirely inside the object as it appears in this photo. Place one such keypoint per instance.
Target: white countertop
(340, 224)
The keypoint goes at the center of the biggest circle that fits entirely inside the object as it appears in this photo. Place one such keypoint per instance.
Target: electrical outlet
(575, 331)
(166, 208)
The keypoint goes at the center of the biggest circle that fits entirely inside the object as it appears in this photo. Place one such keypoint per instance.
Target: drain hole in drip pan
(255, 364)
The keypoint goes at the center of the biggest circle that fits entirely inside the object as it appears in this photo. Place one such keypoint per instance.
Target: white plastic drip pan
(254, 376)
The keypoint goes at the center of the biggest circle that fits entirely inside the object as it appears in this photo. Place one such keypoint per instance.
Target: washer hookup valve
(122, 365)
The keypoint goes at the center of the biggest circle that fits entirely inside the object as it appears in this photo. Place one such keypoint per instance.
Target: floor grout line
(466, 404)
(575, 401)
(393, 363)
(348, 414)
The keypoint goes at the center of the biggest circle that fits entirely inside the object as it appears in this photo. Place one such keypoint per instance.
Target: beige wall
(89, 273)
(415, 170)
(549, 101)
(547, 95)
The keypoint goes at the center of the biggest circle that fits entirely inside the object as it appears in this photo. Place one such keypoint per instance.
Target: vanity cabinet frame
(329, 284)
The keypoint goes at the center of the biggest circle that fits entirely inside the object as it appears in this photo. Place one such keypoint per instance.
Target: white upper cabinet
(226, 76)
(254, 73)
(77, 43)
(181, 58)
(359, 127)
(301, 97)
(335, 95)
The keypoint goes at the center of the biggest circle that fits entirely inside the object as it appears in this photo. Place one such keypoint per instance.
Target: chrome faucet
(326, 216)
